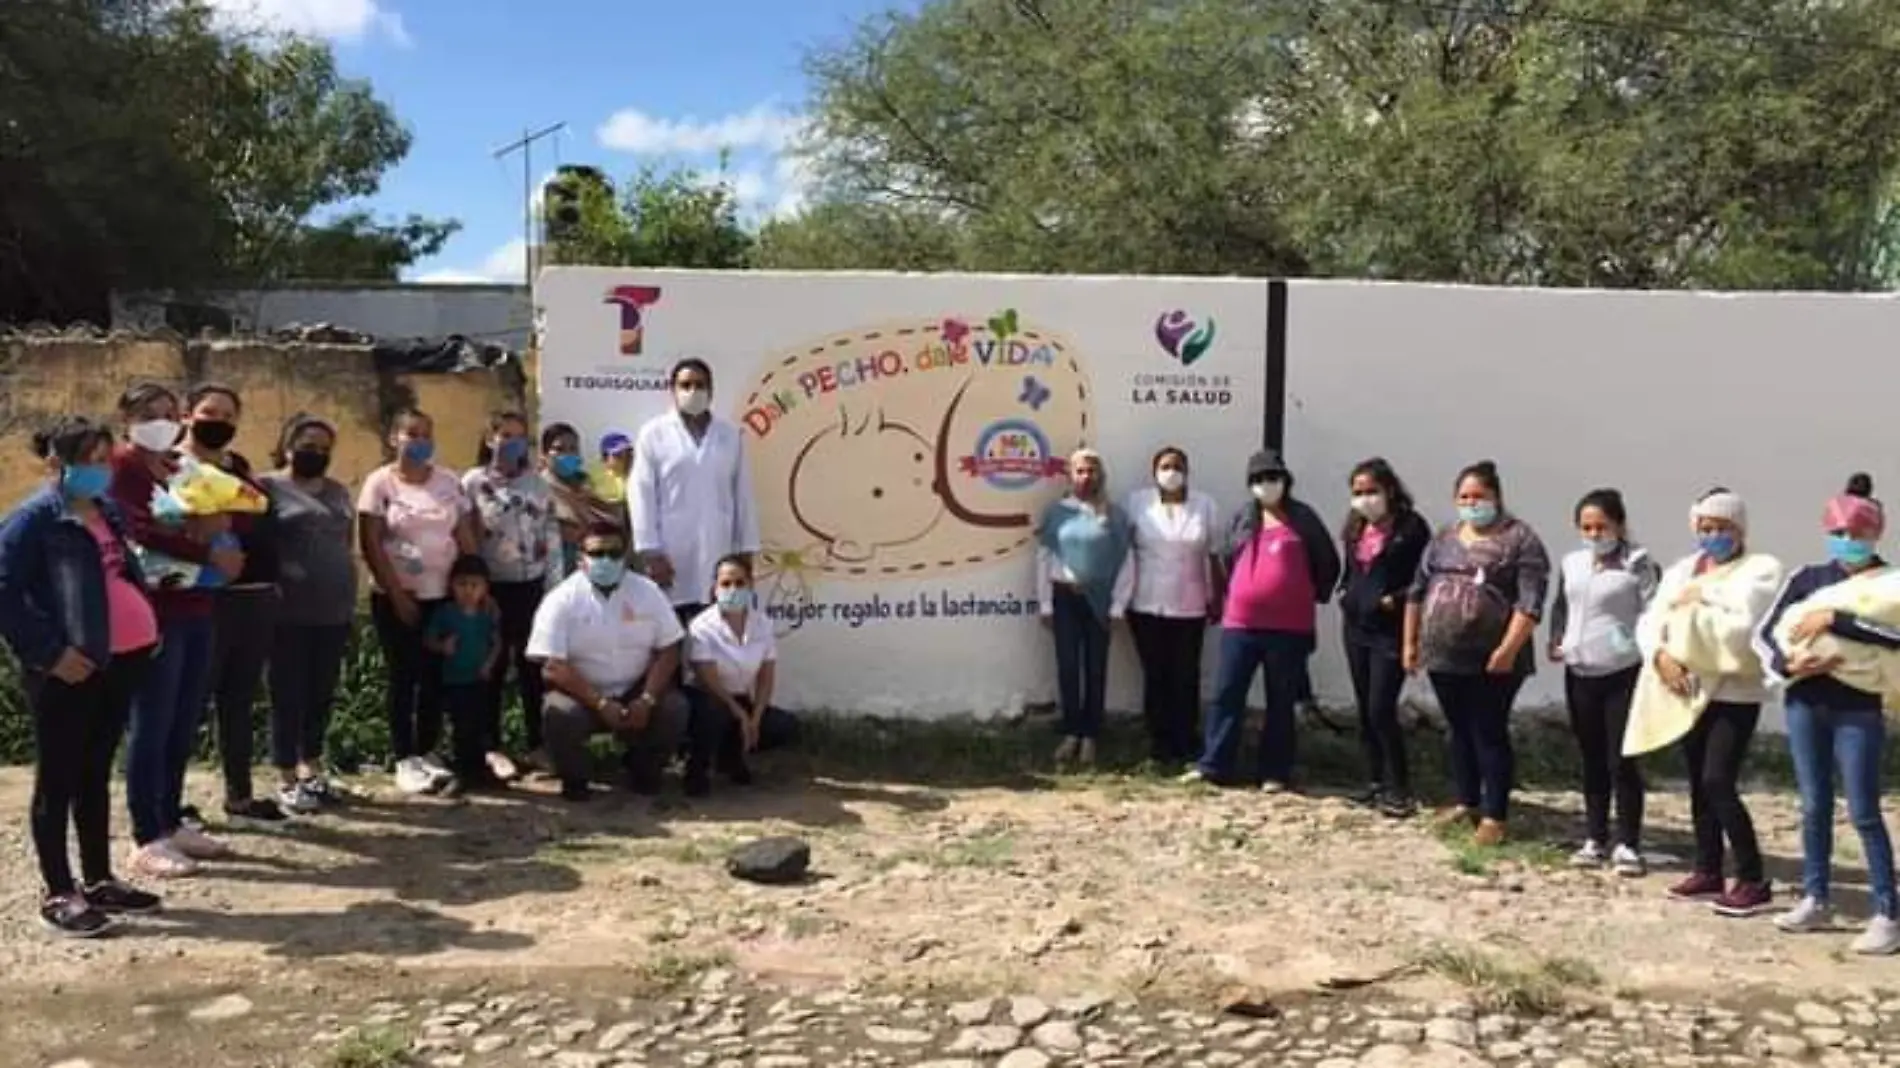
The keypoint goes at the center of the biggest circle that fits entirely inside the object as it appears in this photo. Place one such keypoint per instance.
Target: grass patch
(380, 1047)
(1470, 858)
(670, 971)
(1539, 990)
(709, 849)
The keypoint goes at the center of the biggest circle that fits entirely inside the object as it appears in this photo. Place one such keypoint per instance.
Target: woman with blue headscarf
(1085, 576)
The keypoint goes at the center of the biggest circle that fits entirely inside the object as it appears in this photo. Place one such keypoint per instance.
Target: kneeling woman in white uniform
(735, 661)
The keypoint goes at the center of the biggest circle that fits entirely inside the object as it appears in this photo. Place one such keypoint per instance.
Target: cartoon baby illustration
(858, 487)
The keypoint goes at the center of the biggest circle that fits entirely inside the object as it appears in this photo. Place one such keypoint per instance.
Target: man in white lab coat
(689, 494)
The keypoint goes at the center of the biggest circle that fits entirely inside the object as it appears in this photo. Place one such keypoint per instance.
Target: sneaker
(114, 897)
(197, 845)
(413, 776)
(1880, 939)
(1398, 806)
(698, 782)
(161, 860)
(439, 773)
(1372, 796)
(298, 799)
(1455, 814)
(1191, 777)
(320, 788)
(1590, 856)
(190, 817)
(70, 916)
(1085, 753)
(502, 768)
(1066, 751)
(1743, 900)
(538, 762)
(1490, 834)
(1628, 862)
(1699, 886)
(254, 810)
(1273, 786)
(1808, 916)
(576, 792)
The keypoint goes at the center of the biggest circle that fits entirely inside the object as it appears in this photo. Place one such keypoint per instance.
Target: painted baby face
(865, 484)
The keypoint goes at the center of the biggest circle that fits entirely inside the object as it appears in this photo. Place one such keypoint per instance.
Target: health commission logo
(1183, 337)
(633, 302)
(1186, 339)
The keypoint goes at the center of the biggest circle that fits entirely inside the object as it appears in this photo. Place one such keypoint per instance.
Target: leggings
(415, 678)
(517, 602)
(1377, 681)
(1599, 712)
(76, 733)
(1483, 762)
(1170, 652)
(1715, 748)
(243, 623)
(306, 663)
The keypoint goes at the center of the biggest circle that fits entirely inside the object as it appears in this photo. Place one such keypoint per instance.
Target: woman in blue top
(74, 611)
(1085, 576)
(1833, 724)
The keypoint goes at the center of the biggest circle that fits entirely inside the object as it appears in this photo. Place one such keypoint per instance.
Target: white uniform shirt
(610, 639)
(736, 658)
(692, 500)
(1172, 543)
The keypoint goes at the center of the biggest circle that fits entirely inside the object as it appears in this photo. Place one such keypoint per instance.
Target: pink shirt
(132, 622)
(1271, 587)
(419, 520)
(1370, 544)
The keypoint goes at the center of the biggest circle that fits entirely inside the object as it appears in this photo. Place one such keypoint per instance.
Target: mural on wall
(911, 449)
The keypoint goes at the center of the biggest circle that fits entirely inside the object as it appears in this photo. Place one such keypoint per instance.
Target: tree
(863, 235)
(672, 219)
(355, 247)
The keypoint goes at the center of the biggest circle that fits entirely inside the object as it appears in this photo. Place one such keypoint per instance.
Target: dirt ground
(1131, 887)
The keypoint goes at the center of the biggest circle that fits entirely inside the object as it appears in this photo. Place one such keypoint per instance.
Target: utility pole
(525, 146)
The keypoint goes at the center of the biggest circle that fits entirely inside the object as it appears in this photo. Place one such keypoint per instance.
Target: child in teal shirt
(463, 632)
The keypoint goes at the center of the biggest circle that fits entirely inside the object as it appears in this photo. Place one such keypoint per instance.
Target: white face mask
(694, 401)
(1171, 480)
(1370, 505)
(155, 435)
(1269, 492)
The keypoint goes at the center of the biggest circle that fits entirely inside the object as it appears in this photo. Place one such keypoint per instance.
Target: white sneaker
(1880, 939)
(413, 776)
(298, 798)
(1590, 856)
(161, 860)
(1628, 863)
(1191, 776)
(439, 774)
(1065, 752)
(196, 845)
(1807, 916)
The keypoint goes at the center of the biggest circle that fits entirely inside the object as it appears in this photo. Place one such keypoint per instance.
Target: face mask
(1849, 552)
(735, 599)
(155, 435)
(1268, 491)
(1171, 480)
(1718, 547)
(85, 482)
(418, 451)
(512, 454)
(694, 401)
(1482, 514)
(213, 433)
(1602, 546)
(1371, 506)
(567, 466)
(309, 463)
(605, 571)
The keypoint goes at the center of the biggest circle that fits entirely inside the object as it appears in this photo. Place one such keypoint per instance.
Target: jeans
(244, 621)
(1599, 713)
(1170, 654)
(75, 733)
(467, 705)
(567, 725)
(1819, 737)
(517, 602)
(1377, 681)
(1715, 749)
(165, 717)
(1477, 710)
(415, 678)
(1081, 663)
(715, 740)
(1282, 656)
(306, 663)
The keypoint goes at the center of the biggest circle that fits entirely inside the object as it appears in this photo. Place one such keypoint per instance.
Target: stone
(1432, 1056)
(1451, 1032)
(617, 1036)
(1028, 1011)
(1825, 1037)
(1817, 1015)
(569, 1058)
(782, 1060)
(1024, 1058)
(955, 1062)
(228, 1007)
(971, 1013)
(778, 861)
(1059, 1036)
(487, 1044)
(896, 1036)
(987, 1039)
(1401, 1032)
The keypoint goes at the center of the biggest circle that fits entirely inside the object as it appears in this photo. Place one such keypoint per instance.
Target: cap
(1264, 463)
(1725, 505)
(613, 442)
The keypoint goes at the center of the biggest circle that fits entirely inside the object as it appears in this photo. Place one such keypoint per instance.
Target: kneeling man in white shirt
(609, 645)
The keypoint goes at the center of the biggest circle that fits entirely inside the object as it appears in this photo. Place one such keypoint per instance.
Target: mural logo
(1182, 337)
(633, 302)
(912, 449)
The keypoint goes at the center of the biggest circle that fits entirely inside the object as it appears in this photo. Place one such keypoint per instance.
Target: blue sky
(642, 82)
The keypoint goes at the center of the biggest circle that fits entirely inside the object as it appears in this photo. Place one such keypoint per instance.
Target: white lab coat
(691, 500)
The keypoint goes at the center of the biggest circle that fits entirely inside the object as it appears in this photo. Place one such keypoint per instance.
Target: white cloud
(764, 128)
(505, 264)
(336, 20)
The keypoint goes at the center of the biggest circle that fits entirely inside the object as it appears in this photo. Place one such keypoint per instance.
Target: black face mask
(309, 463)
(213, 433)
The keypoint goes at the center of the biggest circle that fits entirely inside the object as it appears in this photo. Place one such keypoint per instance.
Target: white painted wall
(498, 314)
(1661, 395)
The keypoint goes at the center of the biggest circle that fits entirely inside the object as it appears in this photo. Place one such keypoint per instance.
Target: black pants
(1483, 762)
(1716, 747)
(1170, 654)
(243, 627)
(517, 602)
(467, 705)
(686, 613)
(305, 664)
(1599, 711)
(1377, 681)
(76, 733)
(415, 678)
(715, 741)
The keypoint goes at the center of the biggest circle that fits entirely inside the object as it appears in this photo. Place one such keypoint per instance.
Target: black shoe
(1373, 796)
(1398, 806)
(740, 774)
(255, 810)
(115, 898)
(70, 916)
(576, 791)
(698, 783)
(644, 782)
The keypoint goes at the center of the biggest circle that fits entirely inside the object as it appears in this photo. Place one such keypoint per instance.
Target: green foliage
(663, 219)
(355, 247)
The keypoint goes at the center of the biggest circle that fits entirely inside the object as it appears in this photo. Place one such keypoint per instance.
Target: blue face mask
(512, 454)
(85, 482)
(1719, 547)
(735, 599)
(1482, 514)
(418, 451)
(605, 571)
(567, 465)
(1849, 552)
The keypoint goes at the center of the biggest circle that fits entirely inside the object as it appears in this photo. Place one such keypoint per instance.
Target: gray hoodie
(1593, 620)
